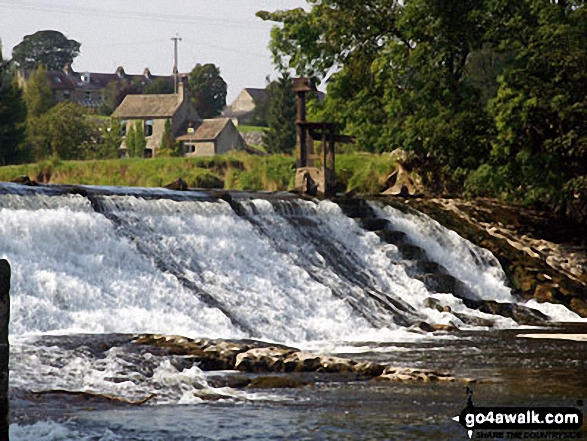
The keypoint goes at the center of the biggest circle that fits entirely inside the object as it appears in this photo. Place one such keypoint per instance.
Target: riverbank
(360, 172)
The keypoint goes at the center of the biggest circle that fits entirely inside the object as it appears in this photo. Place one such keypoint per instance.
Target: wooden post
(302, 152)
(4, 348)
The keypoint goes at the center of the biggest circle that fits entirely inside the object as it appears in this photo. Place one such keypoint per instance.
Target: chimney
(120, 72)
(147, 73)
(182, 90)
(68, 69)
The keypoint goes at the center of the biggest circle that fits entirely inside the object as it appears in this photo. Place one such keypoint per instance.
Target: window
(66, 94)
(149, 128)
(88, 96)
(123, 128)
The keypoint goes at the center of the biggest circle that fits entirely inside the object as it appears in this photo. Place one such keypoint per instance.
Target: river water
(94, 265)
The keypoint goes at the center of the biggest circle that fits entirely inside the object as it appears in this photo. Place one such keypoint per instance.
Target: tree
(398, 68)
(115, 93)
(64, 132)
(208, 90)
(108, 143)
(159, 86)
(281, 135)
(38, 95)
(12, 116)
(135, 140)
(48, 48)
(540, 111)
(168, 146)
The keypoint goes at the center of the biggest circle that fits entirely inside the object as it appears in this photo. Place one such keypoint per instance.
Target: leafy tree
(64, 132)
(38, 95)
(168, 146)
(12, 116)
(108, 144)
(399, 79)
(48, 48)
(115, 93)
(540, 111)
(135, 140)
(281, 135)
(159, 86)
(208, 90)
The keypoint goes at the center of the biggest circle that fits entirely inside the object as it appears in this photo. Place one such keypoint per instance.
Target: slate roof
(208, 130)
(148, 106)
(257, 94)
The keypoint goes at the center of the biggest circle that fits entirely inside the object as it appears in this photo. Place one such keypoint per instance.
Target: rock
(432, 303)
(520, 314)
(255, 357)
(179, 184)
(25, 180)
(427, 327)
(269, 359)
(302, 362)
(412, 375)
(400, 183)
(399, 155)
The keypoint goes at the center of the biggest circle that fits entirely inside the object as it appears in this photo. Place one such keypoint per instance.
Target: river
(93, 265)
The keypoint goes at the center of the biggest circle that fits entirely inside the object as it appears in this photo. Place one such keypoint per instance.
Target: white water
(295, 272)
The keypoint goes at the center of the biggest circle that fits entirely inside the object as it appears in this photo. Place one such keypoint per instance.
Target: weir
(234, 265)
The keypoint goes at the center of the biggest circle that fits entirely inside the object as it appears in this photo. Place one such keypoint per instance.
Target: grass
(362, 172)
(249, 129)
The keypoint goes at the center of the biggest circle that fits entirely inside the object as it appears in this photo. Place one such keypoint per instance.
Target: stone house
(153, 111)
(242, 109)
(89, 88)
(212, 137)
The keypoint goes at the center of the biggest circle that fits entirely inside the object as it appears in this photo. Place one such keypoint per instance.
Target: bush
(207, 180)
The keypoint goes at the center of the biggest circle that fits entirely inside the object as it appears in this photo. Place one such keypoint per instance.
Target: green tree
(12, 116)
(281, 134)
(48, 48)
(108, 143)
(398, 76)
(159, 86)
(135, 140)
(38, 95)
(540, 111)
(208, 90)
(168, 146)
(64, 132)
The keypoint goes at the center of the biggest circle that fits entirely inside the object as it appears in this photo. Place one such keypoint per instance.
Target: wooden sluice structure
(310, 178)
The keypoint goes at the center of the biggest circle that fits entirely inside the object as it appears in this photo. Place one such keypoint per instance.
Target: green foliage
(48, 48)
(38, 95)
(208, 90)
(281, 133)
(168, 146)
(63, 132)
(12, 116)
(159, 86)
(238, 171)
(135, 140)
(493, 90)
(541, 105)
(108, 144)
(207, 180)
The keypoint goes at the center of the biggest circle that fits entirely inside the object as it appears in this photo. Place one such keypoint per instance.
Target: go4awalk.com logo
(520, 422)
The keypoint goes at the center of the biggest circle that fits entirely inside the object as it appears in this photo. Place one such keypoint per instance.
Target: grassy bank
(362, 172)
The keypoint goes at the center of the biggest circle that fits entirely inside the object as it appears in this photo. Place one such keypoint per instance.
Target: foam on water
(73, 273)
(295, 272)
(472, 265)
(225, 256)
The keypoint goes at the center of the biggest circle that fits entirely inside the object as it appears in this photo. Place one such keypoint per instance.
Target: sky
(137, 34)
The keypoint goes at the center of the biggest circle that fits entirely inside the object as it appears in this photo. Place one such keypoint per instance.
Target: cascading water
(107, 261)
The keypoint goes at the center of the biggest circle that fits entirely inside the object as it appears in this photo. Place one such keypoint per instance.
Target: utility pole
(175, 69)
